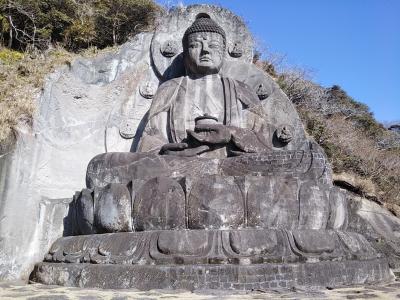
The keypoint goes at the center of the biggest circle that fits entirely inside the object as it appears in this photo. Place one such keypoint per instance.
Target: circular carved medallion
(147, 90)
(236, 50)
(127, 128)
(284, 134)
(261, 92)
(169, 48)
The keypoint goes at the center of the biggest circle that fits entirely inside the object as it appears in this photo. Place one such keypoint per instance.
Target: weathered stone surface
(113, 209)
(215, 202)
(380, 226)
(278, 109)
(315, 241)
(212, 246)
(239, 277)
(250, 245)
(84, 212)
(339, 209)
(16, 290)
(78, 116)
(314, 206)
(185, 243)
(159, 204)
(273, 202)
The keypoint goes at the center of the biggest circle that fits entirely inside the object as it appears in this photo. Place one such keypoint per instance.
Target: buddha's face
(205, 53)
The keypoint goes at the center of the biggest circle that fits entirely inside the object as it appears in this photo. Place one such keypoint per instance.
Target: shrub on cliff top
(72, 24)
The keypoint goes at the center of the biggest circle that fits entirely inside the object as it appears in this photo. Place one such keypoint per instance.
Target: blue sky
(352, 43)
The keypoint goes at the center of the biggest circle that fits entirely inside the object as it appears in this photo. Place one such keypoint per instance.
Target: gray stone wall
(80, 114)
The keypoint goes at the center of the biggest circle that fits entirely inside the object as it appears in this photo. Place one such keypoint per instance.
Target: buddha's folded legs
(125, 167)
(140, 191)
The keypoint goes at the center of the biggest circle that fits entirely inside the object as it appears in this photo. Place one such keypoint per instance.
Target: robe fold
(167, 118)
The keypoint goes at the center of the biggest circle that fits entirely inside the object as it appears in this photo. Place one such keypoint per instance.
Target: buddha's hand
(181, 149)
(211, 134)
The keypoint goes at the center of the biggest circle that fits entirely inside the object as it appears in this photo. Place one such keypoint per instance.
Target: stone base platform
(223, 277)
(23, 291)
(241, 259)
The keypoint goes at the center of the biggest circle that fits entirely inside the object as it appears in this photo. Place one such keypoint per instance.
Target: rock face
(83, 111)
(378, 225)
(239, 208)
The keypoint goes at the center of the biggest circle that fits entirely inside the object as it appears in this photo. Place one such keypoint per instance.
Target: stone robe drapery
(167, 117)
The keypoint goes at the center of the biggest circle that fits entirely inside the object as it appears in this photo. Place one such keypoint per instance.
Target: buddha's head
(204, 45)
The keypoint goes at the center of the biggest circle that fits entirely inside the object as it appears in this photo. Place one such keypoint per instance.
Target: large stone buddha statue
(199, 125)
(217, 195)
(204, 107)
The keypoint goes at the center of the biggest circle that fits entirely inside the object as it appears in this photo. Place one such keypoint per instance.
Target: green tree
(119, 19)
(75, 24)
(81, 32)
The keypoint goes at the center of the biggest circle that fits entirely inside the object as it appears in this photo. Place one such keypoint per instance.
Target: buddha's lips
(206, 58)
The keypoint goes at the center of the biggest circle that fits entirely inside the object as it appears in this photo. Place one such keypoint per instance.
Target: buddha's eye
(214, 46)
(194, 45)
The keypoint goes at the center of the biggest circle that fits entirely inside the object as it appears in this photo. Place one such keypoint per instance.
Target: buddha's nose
(205, 48)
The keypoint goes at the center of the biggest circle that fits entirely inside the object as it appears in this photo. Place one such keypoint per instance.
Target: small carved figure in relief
(147, 90)
(262, 92)
(169, 48)
(284, 134)
(236, 50)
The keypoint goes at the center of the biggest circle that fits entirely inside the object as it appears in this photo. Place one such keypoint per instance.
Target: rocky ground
(15, 290)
